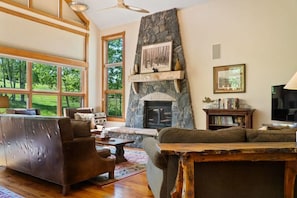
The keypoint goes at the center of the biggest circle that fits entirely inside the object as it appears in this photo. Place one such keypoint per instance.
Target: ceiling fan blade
(104, 9)
(121, 4)
(136, 9)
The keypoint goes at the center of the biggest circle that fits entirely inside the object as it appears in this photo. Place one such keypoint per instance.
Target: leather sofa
(51, 148)
(243, 179)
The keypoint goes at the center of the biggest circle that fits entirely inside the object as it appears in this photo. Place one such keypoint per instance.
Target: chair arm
(151, 148)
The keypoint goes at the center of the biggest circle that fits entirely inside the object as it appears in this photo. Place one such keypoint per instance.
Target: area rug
(136, 160)
(5, 193)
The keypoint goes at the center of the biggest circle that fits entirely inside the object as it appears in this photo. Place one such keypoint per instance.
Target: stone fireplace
(157, 28)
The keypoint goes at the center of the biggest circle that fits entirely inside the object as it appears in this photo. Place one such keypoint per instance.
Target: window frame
(58, 92)
(105, 65)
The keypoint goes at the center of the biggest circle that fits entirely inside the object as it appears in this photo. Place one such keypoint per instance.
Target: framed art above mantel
(156, 57)
(229, 79)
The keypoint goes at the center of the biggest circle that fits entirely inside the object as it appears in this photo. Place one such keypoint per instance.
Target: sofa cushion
(80, 128)
(86, 116)
(283, 135)
(179, 135)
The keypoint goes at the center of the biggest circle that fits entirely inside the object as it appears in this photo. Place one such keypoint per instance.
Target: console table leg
(290, 176)
(184, 185)
(177, 190)
(188, 177)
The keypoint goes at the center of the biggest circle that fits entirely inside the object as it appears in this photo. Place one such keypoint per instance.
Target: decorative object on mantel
(155, 69)
(156, 56)
(177, 65)
(229, 79)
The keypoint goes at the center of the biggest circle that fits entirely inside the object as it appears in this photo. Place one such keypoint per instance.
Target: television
(284, 104)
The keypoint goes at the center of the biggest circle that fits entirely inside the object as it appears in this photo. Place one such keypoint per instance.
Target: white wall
(29, 35)
(260, 33)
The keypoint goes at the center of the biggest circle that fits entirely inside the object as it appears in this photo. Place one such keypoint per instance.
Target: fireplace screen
(157, 114)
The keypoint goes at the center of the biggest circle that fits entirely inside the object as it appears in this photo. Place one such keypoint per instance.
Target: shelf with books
(223, 118)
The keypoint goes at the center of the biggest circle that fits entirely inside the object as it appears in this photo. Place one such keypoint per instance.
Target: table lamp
(292, 84)
(4, 102)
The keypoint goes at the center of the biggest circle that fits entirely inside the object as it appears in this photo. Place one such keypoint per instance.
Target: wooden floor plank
(30, 187)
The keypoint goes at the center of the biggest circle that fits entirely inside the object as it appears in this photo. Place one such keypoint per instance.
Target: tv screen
(284, 104)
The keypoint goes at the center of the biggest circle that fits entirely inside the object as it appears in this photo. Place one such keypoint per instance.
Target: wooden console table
(215, 152)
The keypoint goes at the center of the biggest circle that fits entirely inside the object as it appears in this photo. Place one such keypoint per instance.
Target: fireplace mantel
(176, 76)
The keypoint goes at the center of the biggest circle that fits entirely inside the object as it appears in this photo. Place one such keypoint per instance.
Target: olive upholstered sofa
(243, 179)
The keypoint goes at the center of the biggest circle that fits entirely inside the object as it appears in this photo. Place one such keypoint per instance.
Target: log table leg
(290, 176)
(184, 185)
(177, 190)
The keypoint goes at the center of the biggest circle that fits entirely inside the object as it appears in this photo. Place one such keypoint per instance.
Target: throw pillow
(80, 128)
(86, 116)
(284, 135)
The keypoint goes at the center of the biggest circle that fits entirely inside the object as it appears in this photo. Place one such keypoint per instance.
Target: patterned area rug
(5, 193)
(136, 160)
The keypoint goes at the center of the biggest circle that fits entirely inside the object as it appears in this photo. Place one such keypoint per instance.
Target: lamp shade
(292, 84)
(78, 7)
(4, 102)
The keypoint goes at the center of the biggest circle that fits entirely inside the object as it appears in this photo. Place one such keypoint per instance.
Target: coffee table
(118, 144)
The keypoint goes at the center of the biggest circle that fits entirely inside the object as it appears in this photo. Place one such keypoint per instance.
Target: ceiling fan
(121, 4)
(81, 7)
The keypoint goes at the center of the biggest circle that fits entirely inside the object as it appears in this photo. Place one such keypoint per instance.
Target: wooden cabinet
(223, 118)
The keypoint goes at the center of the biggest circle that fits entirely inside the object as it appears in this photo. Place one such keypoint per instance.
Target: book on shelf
(223, 120)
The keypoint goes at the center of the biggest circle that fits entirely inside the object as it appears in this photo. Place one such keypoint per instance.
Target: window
(113, 75)
(47, 87)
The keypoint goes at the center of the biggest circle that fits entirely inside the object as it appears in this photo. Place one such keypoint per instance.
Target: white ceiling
(101, 13)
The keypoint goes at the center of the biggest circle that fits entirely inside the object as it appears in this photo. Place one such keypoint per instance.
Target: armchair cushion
(80, 128)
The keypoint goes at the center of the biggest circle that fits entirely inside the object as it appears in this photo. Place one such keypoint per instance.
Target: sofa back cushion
(283, 135)
(179, 135)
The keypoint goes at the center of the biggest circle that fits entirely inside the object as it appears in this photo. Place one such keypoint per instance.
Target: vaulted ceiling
(105, 15)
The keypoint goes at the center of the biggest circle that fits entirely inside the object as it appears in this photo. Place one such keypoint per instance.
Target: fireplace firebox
(157, 114)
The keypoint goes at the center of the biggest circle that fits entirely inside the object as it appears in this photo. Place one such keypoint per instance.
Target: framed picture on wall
(229, 79)
(156, 57)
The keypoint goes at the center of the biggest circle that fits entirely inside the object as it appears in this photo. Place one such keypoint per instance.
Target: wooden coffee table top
(113, 141)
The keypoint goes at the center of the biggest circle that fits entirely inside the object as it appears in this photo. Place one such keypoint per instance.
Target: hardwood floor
(30, 187)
